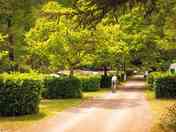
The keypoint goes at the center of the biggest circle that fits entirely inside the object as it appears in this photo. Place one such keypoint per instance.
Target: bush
(62, 87)
(19, 94)
(105, 81)
(165, 86)
(90, 83)
(172, 71)
(152, 77)
(168, 119)
(130, 72)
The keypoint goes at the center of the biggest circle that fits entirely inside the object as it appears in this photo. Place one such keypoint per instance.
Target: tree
(91, 12)
(59, 38)
(110, 47)
(104, 52)
(15, 20)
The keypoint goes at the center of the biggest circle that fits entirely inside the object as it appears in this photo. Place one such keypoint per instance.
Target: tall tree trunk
(10, 43)
(71, 72)
(124, 69)
(11, 48)
(11, 53)
(105, 71)
(124, 66)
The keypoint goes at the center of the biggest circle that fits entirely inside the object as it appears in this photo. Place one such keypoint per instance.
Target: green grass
(101, 92)
(48, 108)
(158, 107)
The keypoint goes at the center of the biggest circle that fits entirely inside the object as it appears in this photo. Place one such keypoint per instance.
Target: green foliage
(66, 3)
(59, 38)
(20, 94)
(172, 71)
(168, 119)
(91, 12)
(109, 45)
(152, 77)
(64, 34)
(140, 37)
(2, 38)
(16, 17)
(90, 83)
(164, 19)
(62, 87)
(165, 86)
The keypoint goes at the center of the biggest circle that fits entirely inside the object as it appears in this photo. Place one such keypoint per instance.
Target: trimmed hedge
(165, 86)
(20, 94)
(90, 83)
(105, 81)
(62, 87)
(152, 77)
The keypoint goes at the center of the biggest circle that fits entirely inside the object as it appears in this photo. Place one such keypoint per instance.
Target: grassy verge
(48, 108)
(158, 107)
(101, 92)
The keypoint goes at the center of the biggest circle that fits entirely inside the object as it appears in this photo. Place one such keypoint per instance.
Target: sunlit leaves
(3, 54)
(60, 38)
(2, 37)
(54, 9)
(91, 12)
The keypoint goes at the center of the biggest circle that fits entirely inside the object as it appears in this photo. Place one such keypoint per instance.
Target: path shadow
(113, 104)
(133, 89)
(136, 84)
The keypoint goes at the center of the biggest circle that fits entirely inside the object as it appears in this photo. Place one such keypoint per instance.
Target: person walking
(114, 83)
(146, 74)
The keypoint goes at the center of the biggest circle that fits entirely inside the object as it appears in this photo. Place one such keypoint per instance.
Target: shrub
(62, 87)
(165, 86)
(152, 77)
(105, 81)
(172, 71)
(19, 94)
(168, 119)
(130, 72)
(120, 76)
(90, 83)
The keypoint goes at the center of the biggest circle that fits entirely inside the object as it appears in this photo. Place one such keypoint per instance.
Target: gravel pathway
(125, 111)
